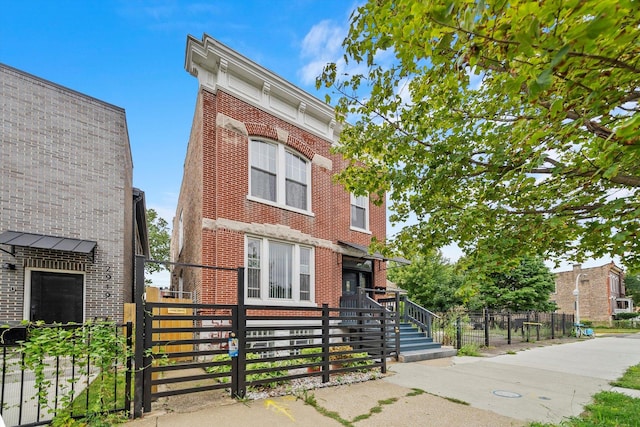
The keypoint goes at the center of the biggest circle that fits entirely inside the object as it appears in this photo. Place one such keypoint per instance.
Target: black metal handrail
(418, 315)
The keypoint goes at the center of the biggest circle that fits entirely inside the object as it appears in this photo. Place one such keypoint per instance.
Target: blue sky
(131, 54)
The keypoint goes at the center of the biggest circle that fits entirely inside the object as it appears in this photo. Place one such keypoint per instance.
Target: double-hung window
(360, 212)
(279, 271)
(279, 176)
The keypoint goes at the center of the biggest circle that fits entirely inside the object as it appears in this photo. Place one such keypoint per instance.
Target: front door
(349, 282)
(57, 297)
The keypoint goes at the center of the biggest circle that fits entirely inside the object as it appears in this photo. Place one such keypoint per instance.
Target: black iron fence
(488, 328)
(198, 347)
(71, 371)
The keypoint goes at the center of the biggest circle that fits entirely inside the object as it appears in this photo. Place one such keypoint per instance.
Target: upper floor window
(360, 212)
(279, 176)
(279, 271)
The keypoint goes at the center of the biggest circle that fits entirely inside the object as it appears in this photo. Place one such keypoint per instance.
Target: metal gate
(188, 348)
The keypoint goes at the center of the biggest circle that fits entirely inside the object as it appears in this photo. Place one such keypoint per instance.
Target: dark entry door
(352, 280)
(56, 297)
(349, 282)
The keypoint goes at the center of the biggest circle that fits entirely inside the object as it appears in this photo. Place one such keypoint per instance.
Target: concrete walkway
(545, 384)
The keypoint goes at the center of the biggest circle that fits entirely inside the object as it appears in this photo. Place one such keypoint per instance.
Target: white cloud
(321, 45)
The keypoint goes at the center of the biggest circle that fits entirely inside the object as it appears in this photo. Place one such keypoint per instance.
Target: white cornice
(219, 67)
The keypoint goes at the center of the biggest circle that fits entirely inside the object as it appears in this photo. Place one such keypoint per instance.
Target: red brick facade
(217, 212)
(600, 291)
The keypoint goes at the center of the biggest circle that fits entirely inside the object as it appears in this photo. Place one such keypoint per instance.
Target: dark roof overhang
(364, 252)
(41, 241)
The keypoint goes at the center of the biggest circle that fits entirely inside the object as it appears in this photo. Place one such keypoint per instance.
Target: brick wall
(65, 170)
(594, 292)
(190, 205)
(221, 184)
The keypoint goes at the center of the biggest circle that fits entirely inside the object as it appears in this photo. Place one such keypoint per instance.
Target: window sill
(359, 230)
(277, 205)
(274, 302)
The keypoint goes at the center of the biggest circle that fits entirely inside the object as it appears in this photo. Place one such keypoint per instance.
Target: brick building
(258, 191)
(70, 220)
(601, 292)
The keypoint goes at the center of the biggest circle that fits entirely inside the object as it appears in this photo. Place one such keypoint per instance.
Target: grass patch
(454, 400)
(415, 392)
(106, 393)
(469, 350)
(102, 394)
(608, 409)
(630, 379)
(310, 399)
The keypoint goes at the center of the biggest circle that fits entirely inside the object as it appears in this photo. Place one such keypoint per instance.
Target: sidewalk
(544, 384)
(384, 403)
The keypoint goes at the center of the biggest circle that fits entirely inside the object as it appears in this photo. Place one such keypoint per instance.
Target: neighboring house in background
(70, 220)
(601, 292)
(259, 191)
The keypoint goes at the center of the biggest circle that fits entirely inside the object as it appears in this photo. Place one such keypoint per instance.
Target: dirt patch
(522, 346)
(190, 402)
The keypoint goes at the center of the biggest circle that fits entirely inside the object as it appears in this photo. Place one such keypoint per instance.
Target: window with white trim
(299, 339)
(262, 343)
(279, 271)
(279, 176)
(360, 212)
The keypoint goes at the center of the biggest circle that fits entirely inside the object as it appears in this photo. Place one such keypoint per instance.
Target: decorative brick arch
(263, 130)
(300, 146)
(269, 131)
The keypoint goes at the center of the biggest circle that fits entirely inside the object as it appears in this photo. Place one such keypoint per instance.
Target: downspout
(137, 197)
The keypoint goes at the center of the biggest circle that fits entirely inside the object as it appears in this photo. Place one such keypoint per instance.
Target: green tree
(511, 128)
(632, 287)
(525, 287)
(159, 241)
(430, 280)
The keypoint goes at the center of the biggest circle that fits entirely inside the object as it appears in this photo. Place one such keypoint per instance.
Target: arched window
(279, 176)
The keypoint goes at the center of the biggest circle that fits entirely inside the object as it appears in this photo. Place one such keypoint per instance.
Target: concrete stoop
(428, 354)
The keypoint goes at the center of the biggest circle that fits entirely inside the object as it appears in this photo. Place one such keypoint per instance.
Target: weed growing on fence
(93, 348)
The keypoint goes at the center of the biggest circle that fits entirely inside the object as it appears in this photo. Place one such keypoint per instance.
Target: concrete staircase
(415, 345)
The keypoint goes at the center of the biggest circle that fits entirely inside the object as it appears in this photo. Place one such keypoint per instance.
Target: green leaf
(558, 57)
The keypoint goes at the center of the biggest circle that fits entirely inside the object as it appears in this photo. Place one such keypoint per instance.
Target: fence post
(486, 327)
(241, 328)
(139, 387)
(127, 374)
(553, 326)
(564, 322)
(325, 343)
(509, 327)
(385, 321)
(147, 361)
(396, 332)
(458, 333)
